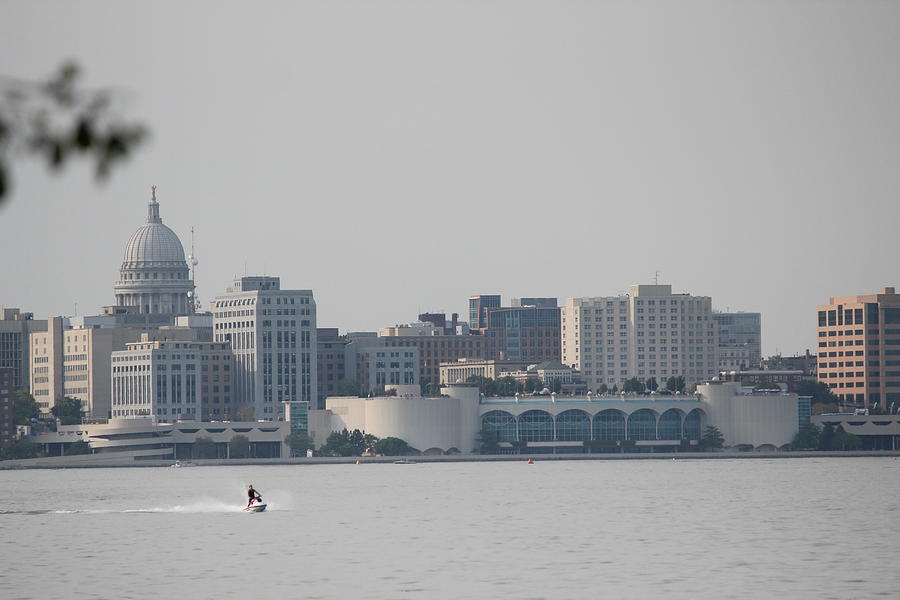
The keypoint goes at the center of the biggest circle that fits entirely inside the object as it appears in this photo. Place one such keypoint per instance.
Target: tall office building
(529, 333)
(7, 405)
(859, 348)
(434, 347)
(478, 306)
(273, 337)
(16, 328)
(330, 369)
(651, 333)
(740, 340)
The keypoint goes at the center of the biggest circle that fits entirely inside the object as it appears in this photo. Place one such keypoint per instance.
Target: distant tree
(675, 384)
(204, 447)
(346, 387)
(820, 408)
(652, 384)
(826, 438)
(68, 411)
(239, 447)
(615, 389)
(633, 385)
(487, 386)
(555, 385)
(712, 438)
(79, 447)
(507, 386)
(531, 384)
(299, 443)
(519, 446)
(348, 443)
(391, 446)
(430, 389)
(845, 441)
(56, 121)
(488, 442)
(602, 389)
(25, 408)
(820, 392)
(807, 438)
(16, 449)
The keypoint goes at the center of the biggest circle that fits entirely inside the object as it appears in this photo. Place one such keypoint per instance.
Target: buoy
(530, 461)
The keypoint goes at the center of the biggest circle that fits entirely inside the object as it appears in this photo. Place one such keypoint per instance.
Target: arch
(433, 452)
(609, 425)
(693, 424)
(573, 426)
(501, 422)
(669, 426)
(642, 425)
(766, 448)
(451, 451)
(536, 426)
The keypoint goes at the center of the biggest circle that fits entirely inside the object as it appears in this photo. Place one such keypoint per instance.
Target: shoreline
(95, 461)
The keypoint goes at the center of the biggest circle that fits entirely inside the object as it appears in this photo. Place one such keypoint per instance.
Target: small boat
(404, 461)
(179, 463)
(256, 507)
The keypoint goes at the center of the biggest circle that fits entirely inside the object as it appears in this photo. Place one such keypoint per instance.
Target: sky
(398, 157)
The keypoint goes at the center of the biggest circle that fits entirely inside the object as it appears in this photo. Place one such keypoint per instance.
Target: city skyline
(298, 155)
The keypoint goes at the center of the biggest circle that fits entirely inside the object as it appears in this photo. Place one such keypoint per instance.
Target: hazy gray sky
(396, 157)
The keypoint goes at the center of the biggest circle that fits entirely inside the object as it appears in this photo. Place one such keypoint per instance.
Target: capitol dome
(154, 277)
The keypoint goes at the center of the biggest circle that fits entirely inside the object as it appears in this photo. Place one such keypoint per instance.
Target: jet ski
(256, 506)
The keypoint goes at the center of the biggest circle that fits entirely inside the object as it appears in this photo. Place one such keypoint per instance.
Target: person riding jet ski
(252, 495)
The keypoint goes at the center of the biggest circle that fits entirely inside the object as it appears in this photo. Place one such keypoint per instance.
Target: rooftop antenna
(195, 304)
(656, 277)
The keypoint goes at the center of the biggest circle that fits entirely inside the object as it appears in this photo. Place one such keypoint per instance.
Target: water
(800, 528)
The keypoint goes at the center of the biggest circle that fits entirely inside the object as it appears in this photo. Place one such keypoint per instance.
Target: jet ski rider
(252, 495)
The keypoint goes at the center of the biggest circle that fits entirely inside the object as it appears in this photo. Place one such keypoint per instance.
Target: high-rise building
(540, 302)
(651, 333)
(15, 330)
(7, 405)
(859, 348)
(434, 347)
(331, 348)
(740, 340)
(154, 277)
(273, 336)
(75, 362)
(478, 306)
(172, 380)
(529, 333)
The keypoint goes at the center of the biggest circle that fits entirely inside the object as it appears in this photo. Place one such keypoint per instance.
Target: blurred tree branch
(56, 121)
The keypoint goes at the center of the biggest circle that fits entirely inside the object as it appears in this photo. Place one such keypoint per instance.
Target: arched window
(693, 424)
(669, 427)
(573, 426)
(536, 426)
(642, 425)
(501, 422)
(609, 425)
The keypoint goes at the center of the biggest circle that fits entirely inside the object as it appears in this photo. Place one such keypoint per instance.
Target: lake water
(798, 528)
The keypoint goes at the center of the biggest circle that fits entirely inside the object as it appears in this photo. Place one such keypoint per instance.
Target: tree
(55, 120)
(348, 443)
(712, 438)
(845, 441)
(245, 413)
(68, 411)
(18, 449)
(507, 386)
(821, 408)
(487, 386)
(555, 385)
(807, 438)
(826, 438)
(79, 447)
(652, 384)
(602, 389)
(615, 389)
(299, 443)
(25, 408)
(532, 385)
(633, 385)
(820, 392)
(346, 387)
(519, 446)
(204, 447)
(391, 446)
(675, 384)
(239, 447)
(488, 441)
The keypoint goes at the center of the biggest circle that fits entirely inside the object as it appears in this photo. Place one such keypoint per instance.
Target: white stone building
(650, 333)
(273, 336)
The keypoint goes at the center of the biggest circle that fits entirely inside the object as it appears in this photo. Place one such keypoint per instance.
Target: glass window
(536, 426)
(642, 425)
(609, 425)
(573, 426)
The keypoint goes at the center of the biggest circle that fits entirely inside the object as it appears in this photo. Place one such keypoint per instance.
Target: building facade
(459, 371)
(173, 380)
(330, 369)
(529, 333)
(272, 333)
(859, 348)
(651, 333)
(740, 340)
(434, 350)
(478, 306)
(7, 404)
(154, 276)
(76, 362)
(15, 330)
